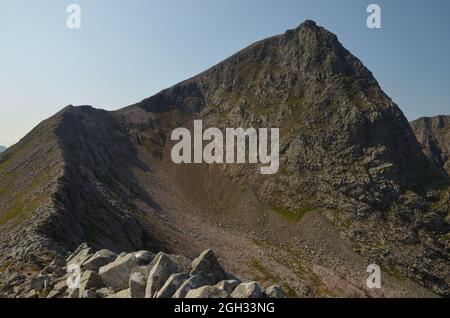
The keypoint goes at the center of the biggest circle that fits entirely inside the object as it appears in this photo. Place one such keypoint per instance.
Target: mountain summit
(354, 187)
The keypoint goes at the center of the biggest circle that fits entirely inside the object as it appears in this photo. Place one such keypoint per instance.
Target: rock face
(347, 153)
(433, 133)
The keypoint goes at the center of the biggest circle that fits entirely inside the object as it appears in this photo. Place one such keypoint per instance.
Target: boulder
(228, 285)
(31, 294)
(73, 293)
(99, 259)
(59, 289)
(172, 284)
(117, 274)
(207, 292)
(274, 291)
(81, 247)
(89, 279)
(89, 293)
(208, 266)
(193, 282)
(122, 294)
(138, 281)
(144, 257)
(41, 283)
(247, 290)
(160, 272)
(81, 254)
(104, 292)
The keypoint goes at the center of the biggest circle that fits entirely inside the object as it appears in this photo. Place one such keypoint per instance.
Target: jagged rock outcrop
(433, 133)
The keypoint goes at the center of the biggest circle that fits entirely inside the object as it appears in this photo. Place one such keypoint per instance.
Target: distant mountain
(354, 187)
(2, 148)
(433, 134)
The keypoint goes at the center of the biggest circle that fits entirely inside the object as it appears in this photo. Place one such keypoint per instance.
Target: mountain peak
(308, 24)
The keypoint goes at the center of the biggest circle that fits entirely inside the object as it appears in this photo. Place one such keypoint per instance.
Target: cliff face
(353, 186)
(433, 133)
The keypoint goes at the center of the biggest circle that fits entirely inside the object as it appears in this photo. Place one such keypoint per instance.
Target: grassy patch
(292, 215)
(267, 276)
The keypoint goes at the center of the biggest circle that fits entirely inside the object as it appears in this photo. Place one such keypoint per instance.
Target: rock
(207, 292)
(41, 283)
(89, 293)
(172, 284)
(247, 290)
(117, 274)
(81, 247)
(122, 294)
(138, 281)
(144, 257)
(193, 282)
(228, 285)
(73, 293)
(58, 289)
(206, 264)
(14, 279)
(275, 291)
(82, 253)
(90, 279)
(160, 272)
(99, 259)
(184, 262)
(104, 292)
(31, 294)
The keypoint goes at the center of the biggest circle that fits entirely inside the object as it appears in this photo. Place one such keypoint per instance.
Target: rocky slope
(142, 274)
(433, 133)
(354, 186)
(2, 148)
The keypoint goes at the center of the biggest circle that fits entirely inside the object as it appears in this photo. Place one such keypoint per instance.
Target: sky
(126, 51)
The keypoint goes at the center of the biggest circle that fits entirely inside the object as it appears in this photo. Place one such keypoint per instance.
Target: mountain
(433, 133)
(2, 148)
(354, 187)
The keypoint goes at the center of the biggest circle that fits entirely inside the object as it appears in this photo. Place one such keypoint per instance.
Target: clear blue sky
(128, 50)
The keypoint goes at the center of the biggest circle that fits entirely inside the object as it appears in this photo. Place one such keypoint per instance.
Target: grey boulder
(99, 259)
(193, 282)
(248, 290)
(207, 292)
(228, 285)
(209, 267)
(275, 291)
(160, 272)
(171, 285)
(117, 274)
